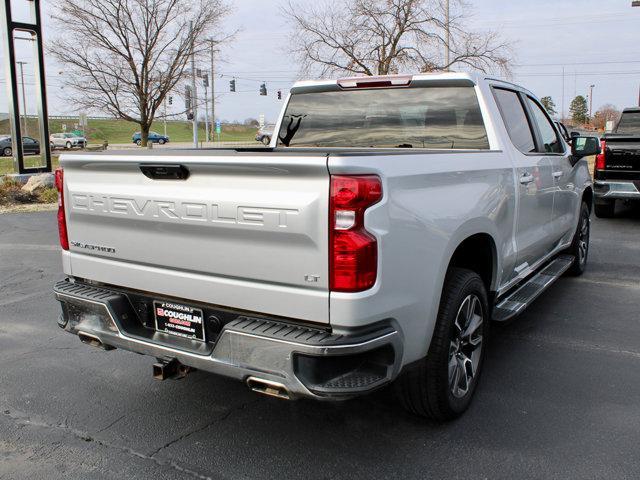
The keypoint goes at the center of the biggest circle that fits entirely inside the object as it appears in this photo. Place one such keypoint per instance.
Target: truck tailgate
(622, 158)
(244, 230)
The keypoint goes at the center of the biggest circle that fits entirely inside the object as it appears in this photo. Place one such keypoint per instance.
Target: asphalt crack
(186, 435)
(24, 420)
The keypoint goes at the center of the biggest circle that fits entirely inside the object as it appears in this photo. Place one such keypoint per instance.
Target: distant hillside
(120, 131)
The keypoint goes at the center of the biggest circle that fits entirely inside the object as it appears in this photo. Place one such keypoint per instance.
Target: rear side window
(415, 117)
(629, 123)
(550, 138)
(515, 119)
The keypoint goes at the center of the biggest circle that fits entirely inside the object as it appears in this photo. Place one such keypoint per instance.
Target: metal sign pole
(9, 27)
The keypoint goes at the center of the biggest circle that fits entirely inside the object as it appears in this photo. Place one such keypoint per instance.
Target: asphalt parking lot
(560, 396)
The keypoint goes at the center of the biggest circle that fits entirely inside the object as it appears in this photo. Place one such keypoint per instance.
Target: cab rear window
(629, 123)
(419, 117)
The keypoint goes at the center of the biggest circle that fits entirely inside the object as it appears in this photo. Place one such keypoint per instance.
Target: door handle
(558, 174)
(526, 178)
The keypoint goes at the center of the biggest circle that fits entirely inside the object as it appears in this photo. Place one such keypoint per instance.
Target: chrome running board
(524, 295)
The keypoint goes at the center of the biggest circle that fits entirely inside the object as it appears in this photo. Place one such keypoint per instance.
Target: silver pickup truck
(388, 223)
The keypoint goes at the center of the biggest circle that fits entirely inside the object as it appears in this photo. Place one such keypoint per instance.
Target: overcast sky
(597, 42)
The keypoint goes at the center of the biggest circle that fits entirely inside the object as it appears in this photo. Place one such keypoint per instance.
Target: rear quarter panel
(432, 202)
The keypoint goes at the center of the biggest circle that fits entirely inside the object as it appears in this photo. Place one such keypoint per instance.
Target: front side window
(550, 138)
(515, 119)
(415, 117)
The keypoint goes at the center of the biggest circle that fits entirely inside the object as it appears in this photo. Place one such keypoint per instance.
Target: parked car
(265, 134)
(394, 219)
(617, 168)
(153, 137)
(29, 146)
(67, 141)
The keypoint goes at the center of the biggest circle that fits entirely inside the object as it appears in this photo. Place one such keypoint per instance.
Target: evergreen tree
(579, 110)
(549, 104)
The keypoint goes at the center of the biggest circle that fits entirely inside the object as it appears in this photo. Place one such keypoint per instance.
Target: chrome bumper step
(522, 297)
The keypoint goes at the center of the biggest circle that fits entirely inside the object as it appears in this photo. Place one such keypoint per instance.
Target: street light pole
(212, 42)
(591, 100)
(24, 98)
(165, 116)
(194, 90)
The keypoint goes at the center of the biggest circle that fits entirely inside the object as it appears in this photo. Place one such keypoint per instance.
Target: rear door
(534, 182)
(247, 231)
(565, 198)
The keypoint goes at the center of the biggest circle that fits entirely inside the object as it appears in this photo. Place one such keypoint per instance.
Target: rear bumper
(301, 360)
(616, 189)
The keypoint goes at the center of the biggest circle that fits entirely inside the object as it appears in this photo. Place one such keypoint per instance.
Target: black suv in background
(617, 169)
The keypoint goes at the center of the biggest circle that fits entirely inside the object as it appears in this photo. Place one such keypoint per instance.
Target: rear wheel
(7, 152)
(266, 140)
(580, 246)
(138, 142)
(605, 208)
(441, 385)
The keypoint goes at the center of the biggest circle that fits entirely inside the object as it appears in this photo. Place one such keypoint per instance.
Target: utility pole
(448, 35)
(24, 98)
(205, 82)
(194, 89)
(562, 115)
(212, 42)
(590, 100)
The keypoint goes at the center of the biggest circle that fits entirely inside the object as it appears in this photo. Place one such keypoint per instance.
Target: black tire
(139, 142)
(266, 140)
(580, 245)
(426, 388)
(68, 146)
(605, 209)
(7, 152)
(162, 141)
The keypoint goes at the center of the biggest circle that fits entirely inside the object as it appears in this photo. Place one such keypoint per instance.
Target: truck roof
(631, 110)
(473, 78)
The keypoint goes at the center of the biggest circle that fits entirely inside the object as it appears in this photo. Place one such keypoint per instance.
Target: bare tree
(379, 37)
(124, 56)
(605, 114)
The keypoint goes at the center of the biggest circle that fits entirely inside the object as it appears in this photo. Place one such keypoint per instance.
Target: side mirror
(585, 147)
(575, 134)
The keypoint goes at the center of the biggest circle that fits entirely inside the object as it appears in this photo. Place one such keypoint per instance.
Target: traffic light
(205, 80)
(232, 85)
(170, 100)
(263, 90)
(279, 94)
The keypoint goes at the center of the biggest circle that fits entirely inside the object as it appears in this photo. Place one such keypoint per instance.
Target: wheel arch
(587, 196)
(477, 252)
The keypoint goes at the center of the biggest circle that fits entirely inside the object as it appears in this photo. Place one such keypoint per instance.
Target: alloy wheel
(583, 239)
(465, 348)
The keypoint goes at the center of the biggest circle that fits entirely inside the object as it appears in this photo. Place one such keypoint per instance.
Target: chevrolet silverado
(391, 221)
(617, 168)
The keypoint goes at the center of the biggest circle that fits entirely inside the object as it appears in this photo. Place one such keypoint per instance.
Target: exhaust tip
(267, 387)
(93, 341)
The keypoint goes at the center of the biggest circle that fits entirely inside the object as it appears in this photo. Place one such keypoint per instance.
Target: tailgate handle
(165, 172)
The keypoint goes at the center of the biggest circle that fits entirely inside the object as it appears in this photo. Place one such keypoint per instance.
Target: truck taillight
(353, 258)
(62, 220)
(601, 157)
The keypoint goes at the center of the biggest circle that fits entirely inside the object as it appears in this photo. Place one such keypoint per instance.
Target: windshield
(629, 123)
(429, 117)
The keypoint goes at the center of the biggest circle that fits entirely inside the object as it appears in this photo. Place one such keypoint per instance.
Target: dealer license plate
(180, 320)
